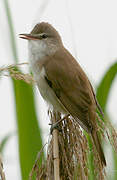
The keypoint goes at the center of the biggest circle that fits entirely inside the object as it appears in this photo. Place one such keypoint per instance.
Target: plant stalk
(55, 118)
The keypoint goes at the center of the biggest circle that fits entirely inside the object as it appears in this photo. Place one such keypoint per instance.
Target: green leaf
(11, 31)
(4, 141)
(103, 91)
(90, 158)
(29, 134)
(115, 165)
(105, 85)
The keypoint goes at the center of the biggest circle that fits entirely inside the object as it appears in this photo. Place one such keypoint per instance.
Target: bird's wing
(70, 86)
(96, 101)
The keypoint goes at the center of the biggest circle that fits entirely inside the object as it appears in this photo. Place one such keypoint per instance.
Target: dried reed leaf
(112, 135)
(1, 169)
(12, 71)
(73, 155)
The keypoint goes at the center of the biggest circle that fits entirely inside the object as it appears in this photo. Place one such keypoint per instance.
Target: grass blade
(105, 85)
(11, 31)
(30, 141)
(103, 91)
(4, 141)
(29, 134)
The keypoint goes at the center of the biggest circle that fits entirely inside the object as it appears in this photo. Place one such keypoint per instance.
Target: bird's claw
(55, 126)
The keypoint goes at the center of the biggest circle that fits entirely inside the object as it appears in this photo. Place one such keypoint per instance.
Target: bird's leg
(56, 124)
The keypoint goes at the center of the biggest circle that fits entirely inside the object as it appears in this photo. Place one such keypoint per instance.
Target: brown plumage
(65, 79)
(75, 92)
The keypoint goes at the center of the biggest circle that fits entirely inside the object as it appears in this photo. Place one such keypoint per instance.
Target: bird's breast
(36, 57)
(47, 92)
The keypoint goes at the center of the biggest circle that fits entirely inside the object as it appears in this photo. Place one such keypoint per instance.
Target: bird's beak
(28, 36)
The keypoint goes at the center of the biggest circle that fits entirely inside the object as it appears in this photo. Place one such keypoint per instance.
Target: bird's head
(43, 37)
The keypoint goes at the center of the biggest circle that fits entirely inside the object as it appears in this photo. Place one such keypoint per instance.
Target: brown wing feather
(96, 101)
(73, 87)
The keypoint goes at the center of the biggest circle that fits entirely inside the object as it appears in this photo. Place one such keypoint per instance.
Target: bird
(61, 81)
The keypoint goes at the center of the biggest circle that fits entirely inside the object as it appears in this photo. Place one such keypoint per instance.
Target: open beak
(28, 36)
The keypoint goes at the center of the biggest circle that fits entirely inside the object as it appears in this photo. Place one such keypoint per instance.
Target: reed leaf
(105, 85)
(29, 134)
(103, 92)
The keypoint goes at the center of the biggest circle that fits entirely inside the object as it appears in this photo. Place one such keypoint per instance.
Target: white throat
(37, 50)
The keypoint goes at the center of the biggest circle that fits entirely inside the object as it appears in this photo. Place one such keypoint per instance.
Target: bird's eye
(43, 36)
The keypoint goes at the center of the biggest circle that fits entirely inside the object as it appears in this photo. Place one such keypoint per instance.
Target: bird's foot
(56, 124)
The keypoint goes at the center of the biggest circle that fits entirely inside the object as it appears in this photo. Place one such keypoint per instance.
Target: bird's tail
(98, 146)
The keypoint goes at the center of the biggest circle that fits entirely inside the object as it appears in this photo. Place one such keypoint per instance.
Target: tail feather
(98, 146)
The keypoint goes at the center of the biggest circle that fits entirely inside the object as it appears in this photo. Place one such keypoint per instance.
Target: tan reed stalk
(55, 118)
